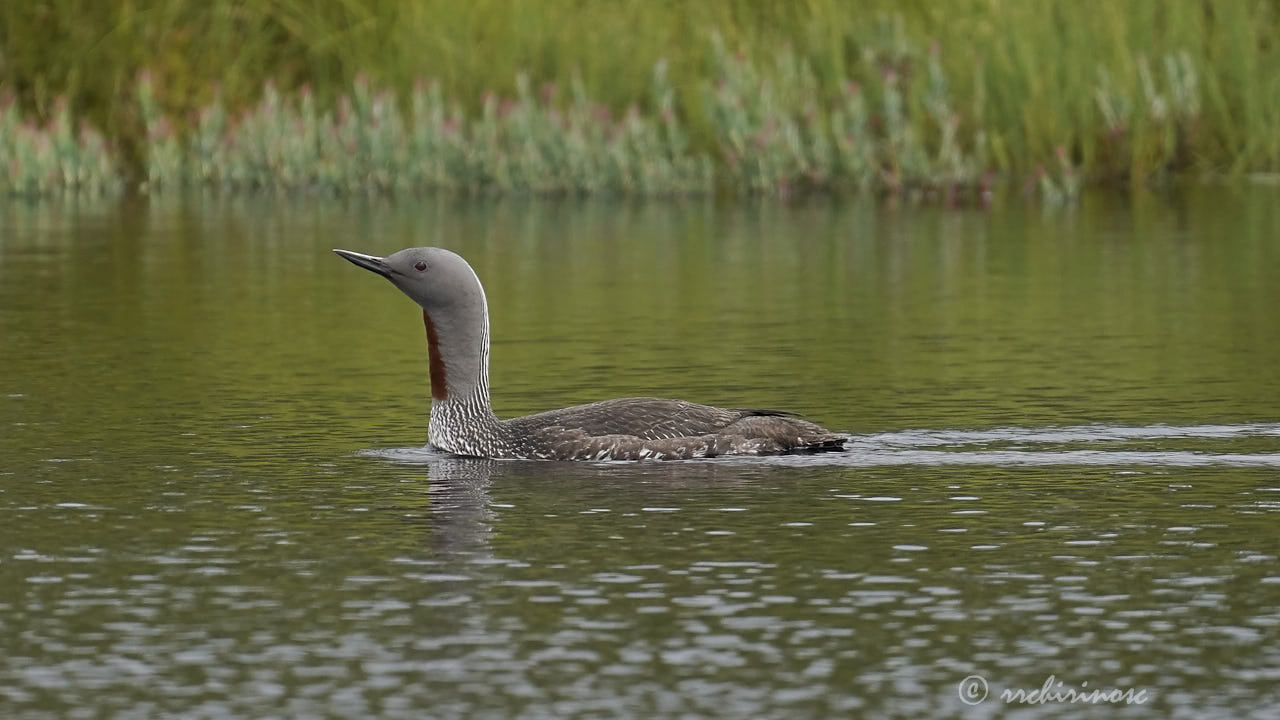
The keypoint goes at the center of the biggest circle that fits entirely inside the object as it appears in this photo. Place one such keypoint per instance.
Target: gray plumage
(456, 317)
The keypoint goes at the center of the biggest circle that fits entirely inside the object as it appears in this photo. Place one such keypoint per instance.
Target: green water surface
(214, 500)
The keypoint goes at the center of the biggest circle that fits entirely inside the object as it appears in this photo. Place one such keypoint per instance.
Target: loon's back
(643, 428)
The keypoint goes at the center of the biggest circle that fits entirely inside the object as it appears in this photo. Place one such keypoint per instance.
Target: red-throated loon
(462, 421)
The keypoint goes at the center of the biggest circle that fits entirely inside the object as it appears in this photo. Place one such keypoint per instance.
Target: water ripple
(992, 447)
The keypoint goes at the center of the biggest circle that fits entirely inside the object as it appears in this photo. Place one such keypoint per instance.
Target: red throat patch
(439, 389)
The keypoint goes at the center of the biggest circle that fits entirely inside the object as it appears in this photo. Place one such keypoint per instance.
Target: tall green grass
(915, 96)
(41, 160)
(373, 143)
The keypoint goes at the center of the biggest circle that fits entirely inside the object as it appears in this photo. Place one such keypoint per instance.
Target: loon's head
(437, 279)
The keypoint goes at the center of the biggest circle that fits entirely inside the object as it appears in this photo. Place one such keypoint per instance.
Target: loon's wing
(641, 417)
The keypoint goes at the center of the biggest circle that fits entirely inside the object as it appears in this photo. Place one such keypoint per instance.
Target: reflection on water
(1224, 445)
(1063, 461)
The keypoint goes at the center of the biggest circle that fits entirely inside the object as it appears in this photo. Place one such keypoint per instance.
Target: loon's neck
(462, 418)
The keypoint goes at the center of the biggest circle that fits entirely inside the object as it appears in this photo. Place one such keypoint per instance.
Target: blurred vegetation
(753, 96)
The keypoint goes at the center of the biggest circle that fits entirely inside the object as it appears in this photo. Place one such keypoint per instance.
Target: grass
(42, 160)
(370, 143)
(636, 96)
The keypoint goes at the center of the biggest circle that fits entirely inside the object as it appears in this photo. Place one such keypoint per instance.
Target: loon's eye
(419, 266)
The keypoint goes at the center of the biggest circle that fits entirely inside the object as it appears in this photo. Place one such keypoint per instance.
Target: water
(1065, 466)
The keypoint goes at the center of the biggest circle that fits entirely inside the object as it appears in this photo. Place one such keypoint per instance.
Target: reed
(40, 160)
(534, 144)
(936, 100)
